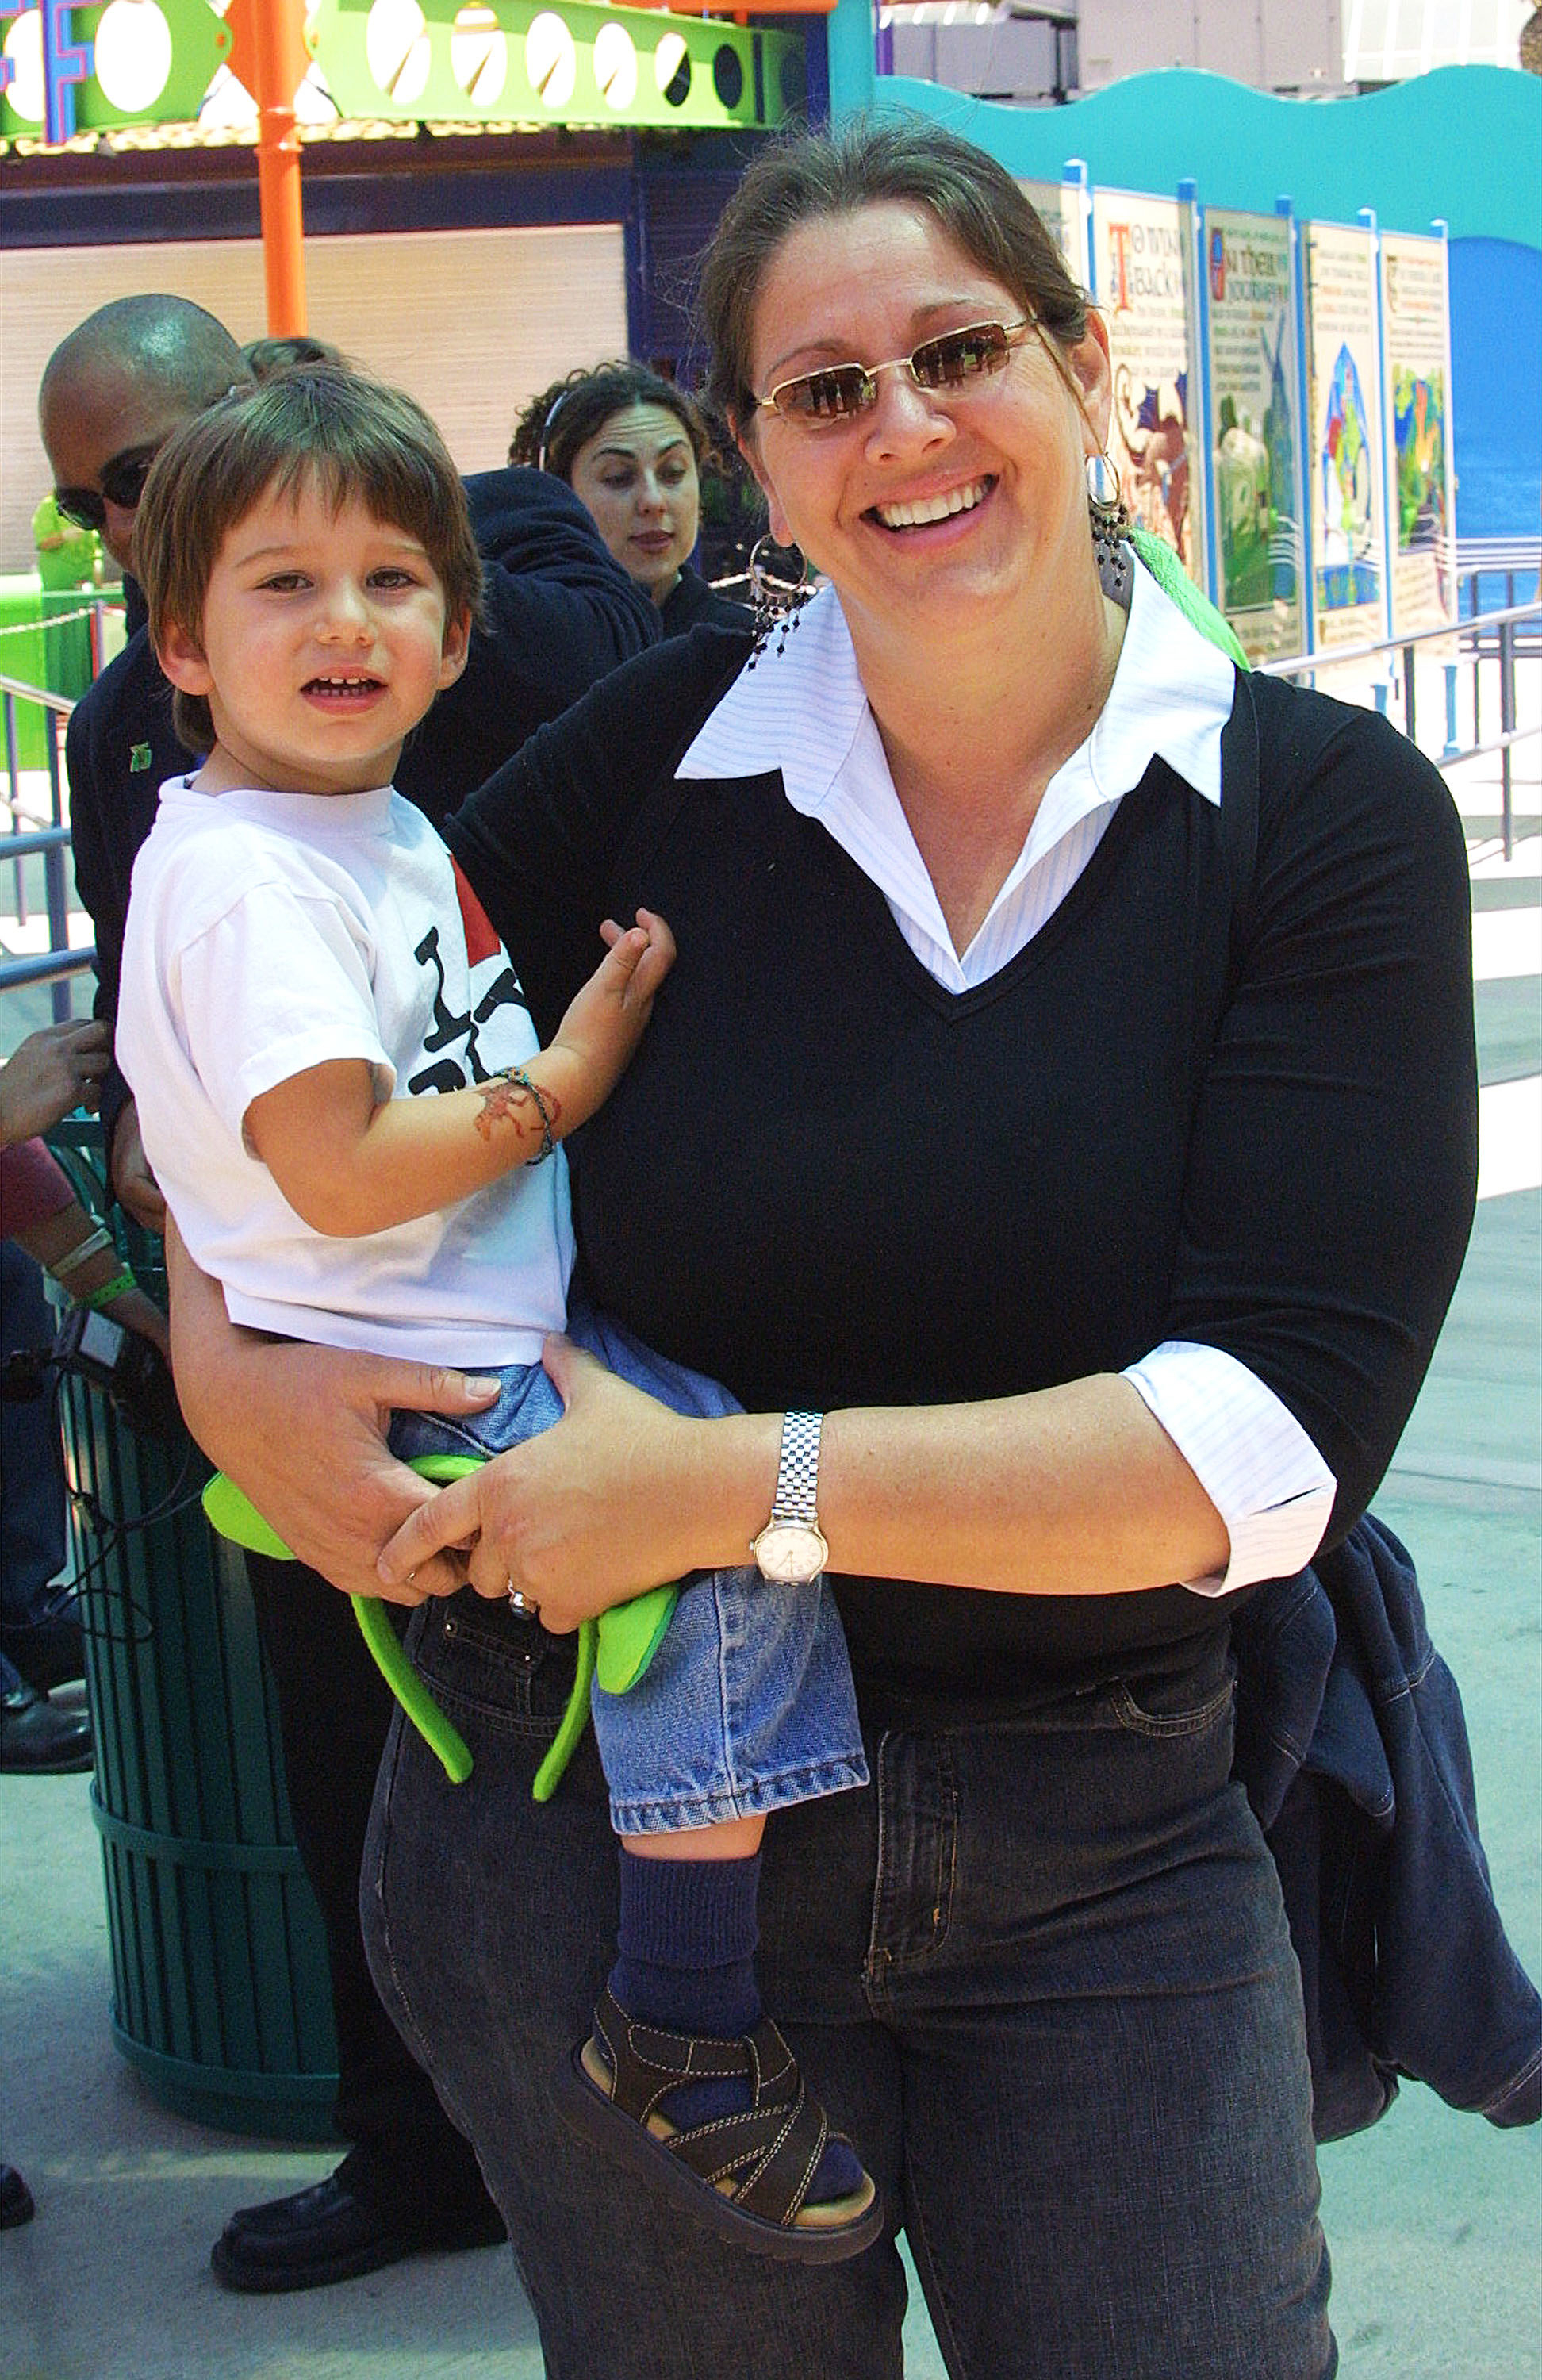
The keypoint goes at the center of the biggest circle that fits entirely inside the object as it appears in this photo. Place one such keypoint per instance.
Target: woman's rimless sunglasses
(954, 361)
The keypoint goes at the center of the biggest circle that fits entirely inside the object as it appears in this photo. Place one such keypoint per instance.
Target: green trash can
(220, 1992)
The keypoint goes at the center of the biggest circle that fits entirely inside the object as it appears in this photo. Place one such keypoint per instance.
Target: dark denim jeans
(1041, 1976)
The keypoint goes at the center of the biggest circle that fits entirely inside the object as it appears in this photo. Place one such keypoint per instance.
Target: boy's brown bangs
(353, 440)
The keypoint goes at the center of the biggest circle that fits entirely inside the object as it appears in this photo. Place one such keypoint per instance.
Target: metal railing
(1480, 636)
(28, 836)
(1504, 558)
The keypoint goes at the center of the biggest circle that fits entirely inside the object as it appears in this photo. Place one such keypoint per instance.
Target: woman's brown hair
(974, 199)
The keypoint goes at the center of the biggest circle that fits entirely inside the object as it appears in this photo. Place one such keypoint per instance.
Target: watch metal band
(797, 1470)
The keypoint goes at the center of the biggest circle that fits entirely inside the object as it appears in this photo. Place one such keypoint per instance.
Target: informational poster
(1343, 454)
(1143, 287)
(1062, 207)
(1416, 331)
(1255, 430)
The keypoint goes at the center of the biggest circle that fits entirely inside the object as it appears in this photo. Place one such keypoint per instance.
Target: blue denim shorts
(747, 1704)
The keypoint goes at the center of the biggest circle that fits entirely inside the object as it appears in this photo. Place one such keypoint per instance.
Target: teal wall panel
(1463, 142)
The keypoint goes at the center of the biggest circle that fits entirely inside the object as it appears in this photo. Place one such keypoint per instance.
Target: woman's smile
(929, 511)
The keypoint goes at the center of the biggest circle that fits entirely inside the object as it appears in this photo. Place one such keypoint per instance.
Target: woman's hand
(302, 1431)
(53, 1070)
(620, 1495)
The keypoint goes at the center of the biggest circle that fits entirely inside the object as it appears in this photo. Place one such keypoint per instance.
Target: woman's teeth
(933, 509)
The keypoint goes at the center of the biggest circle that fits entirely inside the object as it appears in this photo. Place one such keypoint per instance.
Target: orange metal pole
(274, 25)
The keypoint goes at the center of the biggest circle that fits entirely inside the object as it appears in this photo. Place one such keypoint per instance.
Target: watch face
(790, 1552)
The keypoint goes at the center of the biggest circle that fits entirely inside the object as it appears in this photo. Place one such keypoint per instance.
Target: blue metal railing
(29, 837)
(1485, 636)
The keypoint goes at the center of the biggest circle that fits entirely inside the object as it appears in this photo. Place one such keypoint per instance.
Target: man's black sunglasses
(122, 484)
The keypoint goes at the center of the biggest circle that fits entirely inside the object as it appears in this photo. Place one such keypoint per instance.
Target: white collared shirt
(806, 713)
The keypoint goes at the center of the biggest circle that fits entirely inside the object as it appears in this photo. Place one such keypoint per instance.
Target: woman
(1066, 1085)
(630, 445)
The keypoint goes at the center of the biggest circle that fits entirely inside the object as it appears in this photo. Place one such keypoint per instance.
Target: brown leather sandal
(744, 2176)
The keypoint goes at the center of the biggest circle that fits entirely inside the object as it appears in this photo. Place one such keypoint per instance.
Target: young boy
(303, 964)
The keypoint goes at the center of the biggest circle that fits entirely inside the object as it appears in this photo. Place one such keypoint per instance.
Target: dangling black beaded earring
(1110, 525)
(777, 602)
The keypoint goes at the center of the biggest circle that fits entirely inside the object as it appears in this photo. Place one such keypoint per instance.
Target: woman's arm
(330, 1487)
(1073, 1490)
(53, 1240)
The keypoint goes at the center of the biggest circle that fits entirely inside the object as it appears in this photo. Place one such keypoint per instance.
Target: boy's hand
(134, 1186)
(607, 1020)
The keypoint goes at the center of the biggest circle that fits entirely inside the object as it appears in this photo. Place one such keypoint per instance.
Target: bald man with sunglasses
(112, 393)
(561, 614)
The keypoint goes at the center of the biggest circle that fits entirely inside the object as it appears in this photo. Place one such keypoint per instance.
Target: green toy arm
(234, 1516)
(618, 1648)
(390, 1661)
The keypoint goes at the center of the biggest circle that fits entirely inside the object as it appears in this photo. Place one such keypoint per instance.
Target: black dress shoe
(38, 1740)
(326, 2234)
(51, 1653)
(16, 2199)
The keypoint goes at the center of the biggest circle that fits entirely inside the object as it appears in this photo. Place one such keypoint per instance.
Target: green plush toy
(1196, 606)
(616, 1648)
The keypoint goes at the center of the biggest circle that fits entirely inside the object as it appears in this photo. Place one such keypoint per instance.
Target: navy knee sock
(685, 1962)
(687, 1944)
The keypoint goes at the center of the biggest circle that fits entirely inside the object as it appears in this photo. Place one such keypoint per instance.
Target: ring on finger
(522, 1603)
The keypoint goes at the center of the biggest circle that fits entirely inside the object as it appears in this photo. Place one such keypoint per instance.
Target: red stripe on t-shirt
(481, 942)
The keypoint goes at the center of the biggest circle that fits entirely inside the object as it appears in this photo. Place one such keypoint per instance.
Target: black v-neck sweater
(1226, 1094)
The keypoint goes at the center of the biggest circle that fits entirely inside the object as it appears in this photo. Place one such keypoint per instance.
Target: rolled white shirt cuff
(1251, 1456)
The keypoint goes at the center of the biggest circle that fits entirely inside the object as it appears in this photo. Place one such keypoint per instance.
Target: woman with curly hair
(630, 445)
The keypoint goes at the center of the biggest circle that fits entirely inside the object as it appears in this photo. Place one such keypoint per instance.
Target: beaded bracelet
(117, 1287)
(548, 1146)
(91, 1247)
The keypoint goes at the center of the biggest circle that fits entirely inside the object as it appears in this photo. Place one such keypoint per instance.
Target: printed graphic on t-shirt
(493, 988)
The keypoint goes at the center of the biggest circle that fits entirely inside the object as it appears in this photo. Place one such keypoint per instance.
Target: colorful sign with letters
(1141, 249)
(1255, 431)
(1344, 454)
(1415, 330)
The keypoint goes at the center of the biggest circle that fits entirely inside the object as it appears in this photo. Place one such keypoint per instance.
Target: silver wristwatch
(791, 1549)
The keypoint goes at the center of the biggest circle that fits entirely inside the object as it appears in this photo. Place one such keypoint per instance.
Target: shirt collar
(803, 710)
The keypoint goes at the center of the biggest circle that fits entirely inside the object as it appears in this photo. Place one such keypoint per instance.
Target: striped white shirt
(805, 712)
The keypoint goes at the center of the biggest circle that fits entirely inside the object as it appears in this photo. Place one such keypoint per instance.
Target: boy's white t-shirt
(271, 932)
